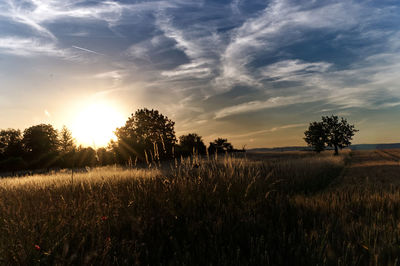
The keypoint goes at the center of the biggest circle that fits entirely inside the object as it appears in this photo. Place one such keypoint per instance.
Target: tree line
(146, 137)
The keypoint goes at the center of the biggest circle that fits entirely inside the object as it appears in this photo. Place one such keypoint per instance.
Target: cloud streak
(86, 50)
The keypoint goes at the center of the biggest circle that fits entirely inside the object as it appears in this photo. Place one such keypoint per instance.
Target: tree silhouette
(41, 142)
(10, 143)
(66, 141)
(41, 146)
(67, 148)
(11, 151)
(331, 132)
(147, 132)
(105, 156)
(191, 143)
(220, 145)
(338, 133)
(315, 136)
(85, 156)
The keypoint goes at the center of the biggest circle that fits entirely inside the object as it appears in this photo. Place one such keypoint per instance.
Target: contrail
(86, 50)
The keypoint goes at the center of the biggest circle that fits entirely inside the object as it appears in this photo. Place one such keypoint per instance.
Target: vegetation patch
(220, 211)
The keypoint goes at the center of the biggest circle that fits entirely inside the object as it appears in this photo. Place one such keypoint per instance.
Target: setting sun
(95, 124)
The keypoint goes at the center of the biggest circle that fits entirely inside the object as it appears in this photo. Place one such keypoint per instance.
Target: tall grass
(225, 211)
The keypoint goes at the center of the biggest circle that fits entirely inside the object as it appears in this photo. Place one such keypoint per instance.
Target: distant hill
(383, 146)
(290, 148)
(375, 146)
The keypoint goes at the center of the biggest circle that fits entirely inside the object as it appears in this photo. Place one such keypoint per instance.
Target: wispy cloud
(280, 24)
(198, 49)
(291, 69)
(30, 47)
(252, 106)
(34, 13)
(269, 130)
(115, 76)
(15, 11)
(197, 70)
(39, 15)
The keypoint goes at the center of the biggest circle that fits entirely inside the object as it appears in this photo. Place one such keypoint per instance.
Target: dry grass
(297, 208)
(65, 178)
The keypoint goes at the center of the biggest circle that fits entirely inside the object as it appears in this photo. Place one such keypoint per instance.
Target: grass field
(290, 208)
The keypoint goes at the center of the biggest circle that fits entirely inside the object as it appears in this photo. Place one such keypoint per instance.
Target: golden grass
(266, 209)
(65, 178)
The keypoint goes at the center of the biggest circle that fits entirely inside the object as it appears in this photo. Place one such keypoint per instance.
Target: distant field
(291, 208)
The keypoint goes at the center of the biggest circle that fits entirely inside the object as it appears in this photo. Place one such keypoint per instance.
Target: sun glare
(96, 123)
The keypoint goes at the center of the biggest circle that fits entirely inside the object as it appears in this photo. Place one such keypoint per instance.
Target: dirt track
(379, 167)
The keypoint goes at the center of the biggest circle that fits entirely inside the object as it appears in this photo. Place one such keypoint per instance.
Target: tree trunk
(336, 150)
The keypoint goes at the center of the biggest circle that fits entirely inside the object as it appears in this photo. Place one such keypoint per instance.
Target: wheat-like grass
(264, 209)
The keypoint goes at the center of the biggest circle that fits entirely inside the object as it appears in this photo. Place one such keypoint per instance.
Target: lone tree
(330, 132)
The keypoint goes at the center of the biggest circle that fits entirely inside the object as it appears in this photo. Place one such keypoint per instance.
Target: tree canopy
(220, 145)
(10, 143)
(40, 140)
(67, 142)
(330, 132)
(191, 143)
(146, 132)
(315, 136)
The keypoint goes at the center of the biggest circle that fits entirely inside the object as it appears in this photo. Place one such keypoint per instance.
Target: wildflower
(37, 247)
(107, 242)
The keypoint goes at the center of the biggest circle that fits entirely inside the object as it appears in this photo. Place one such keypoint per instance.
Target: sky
(255, 72)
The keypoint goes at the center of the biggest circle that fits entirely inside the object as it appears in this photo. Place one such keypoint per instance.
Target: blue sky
(256, 72)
